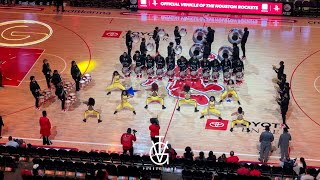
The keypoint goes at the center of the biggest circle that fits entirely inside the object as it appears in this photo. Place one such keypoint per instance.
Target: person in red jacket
(154, 132)
(127, 141)
(232, 158)
(255, 172)
(243, 170)
(45, 128)
(1, 85)
(172, 153)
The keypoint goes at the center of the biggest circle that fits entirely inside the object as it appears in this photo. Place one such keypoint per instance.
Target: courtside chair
(221, 167)
(197, 175)
(63, 154)
(112, 170)
(207, 175)
(94, 156)
(276, 171)
(136, 159)
(53, 153)
(105, 157)
(264, 169)
(186, 174)
(101, 166)
(199, 165)
(177, 163)
(125, 159)
(146, 160)
(156, 175)
(133, 173)
(115, 158)
(60, 168)
(232, 167)
(122, 172)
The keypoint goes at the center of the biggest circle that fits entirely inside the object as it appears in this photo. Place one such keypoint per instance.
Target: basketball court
(94, 38)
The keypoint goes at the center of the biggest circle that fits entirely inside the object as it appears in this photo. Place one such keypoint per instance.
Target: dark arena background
(96, 33)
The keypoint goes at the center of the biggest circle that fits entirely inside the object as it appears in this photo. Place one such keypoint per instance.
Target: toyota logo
(216, 124)
(112, 34)
(287, 7)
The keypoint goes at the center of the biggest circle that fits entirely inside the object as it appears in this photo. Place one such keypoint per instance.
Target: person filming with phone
(127, 141)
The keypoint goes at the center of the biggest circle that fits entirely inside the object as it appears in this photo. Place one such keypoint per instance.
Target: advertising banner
(239, 7)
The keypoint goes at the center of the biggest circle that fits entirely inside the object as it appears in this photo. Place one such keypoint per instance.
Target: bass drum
(161, 33)
(225, 52)
(199, 35)
(235, 36)
(196, 48)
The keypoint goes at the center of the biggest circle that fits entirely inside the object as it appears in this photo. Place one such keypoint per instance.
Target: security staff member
(244, 41)
(210, 36)
(170, 49)
(35, 90)
(129, 42)
(235, 52)
(182, 64)
(177, 36)
(125, 60)
(156, 38)
(56, 78)
(61, 94)
(160, 62)
(206, 50)
(266, 138)
(46, 70)
(76, 74)
(205, 65)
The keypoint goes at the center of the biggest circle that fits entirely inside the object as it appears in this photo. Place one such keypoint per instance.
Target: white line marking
(119, 145)
(113, 17)
(314, 84)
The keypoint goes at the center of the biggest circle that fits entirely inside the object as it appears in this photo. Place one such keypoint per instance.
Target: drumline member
(211, 109)
(143, 47)
(171, 64)
(124, 102)
(187, 99)
(90, 104)
(238, 69)
(183, 66)
(170, 49)
(140, 63)
(160, 64)
(115, 82)
(129, 42)
(46, 70)
(76, 74)
(226, 68)
(194, 65)
(154, 96)
(156, 38)
(126, 62)
(239, 120)
(206, 69)
(61, 93)
(215, 69)
(35, 90)
(177, 36)
(230, 91)
(150, 65)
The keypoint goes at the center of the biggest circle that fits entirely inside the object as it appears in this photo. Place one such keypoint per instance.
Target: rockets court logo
(157, 152)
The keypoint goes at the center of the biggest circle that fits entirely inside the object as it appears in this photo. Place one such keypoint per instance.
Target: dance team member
(171, 64)
(215, 69)
(239, 120)
(124, 102)
(126, 62)
(183, 66)
(129, 42)
(150, 65)
(187, 99)
(230, 92)
(35, 90)
(177, 36)
(61, 93)
(160, 64)
(76, 74)
(206, 69)
(46, 70)
(154, 96)
(244, 41)
(90, 104)
(211, 109)
(115, 82)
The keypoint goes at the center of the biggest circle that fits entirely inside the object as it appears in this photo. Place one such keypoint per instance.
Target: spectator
(12, 143)
(188, 154)
(232, 158)
(243, 170)
(172, 153)
(1, 124)
(127, 141)
(211, 157)
(102, 174)
(222, 158)
(307, 176)
(201, 156)
(45, 128)
(283, 144)
(255, 172)
(300, 166)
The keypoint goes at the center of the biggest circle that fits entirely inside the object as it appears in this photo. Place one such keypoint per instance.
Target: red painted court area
(17, 62)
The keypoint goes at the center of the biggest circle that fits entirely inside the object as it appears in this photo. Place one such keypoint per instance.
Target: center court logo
(157, 152)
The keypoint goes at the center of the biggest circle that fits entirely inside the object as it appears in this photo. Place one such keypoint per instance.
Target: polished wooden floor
(271, 40)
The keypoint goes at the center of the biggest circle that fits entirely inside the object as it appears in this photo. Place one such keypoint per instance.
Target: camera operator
(12, 142)
(154, 131)
(127, 141)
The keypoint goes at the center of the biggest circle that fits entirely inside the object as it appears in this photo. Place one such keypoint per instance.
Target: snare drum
(226, 75)
(239, 75)
(47, 94)
(126, 71)
(150, 71)
(193, 74)
(82, 83)
(159, 72)
(170, 73)
(88, 76)
(215, 75)
(41, 99)
(206, 76)
(183, 74)
(137, 70)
